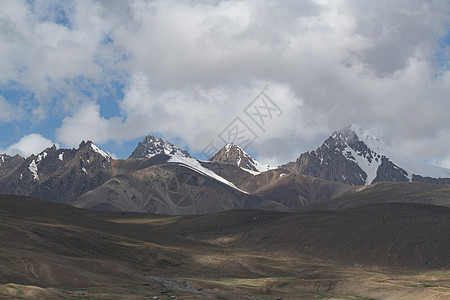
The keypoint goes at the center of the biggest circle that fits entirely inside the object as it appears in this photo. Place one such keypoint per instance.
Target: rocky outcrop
(232, 154)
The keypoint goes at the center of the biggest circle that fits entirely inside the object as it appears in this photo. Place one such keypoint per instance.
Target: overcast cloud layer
(119, 70)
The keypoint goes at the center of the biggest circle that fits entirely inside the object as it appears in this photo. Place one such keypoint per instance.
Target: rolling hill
(388, 192)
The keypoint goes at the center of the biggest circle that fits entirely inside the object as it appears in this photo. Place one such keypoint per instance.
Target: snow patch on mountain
(101, 152)
(41, 157)
(410, 165)
(167, 148)
(195, 165)
(369, 166)
(34, 169)
(251, 171)
(262, 167)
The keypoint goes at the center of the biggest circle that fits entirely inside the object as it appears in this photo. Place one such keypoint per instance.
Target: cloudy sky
(191, 71)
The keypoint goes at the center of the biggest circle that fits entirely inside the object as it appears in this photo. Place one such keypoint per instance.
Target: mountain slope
(173, 185)
(295, 190)
(390, 236)
(351, 156)
(388, 192)
(288, 191)
(234, 155)
(151, 146)
(51, 245)
(9, 163)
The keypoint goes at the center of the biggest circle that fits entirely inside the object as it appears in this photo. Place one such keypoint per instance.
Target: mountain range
(349, 220)
(58, 175)
(160, 177)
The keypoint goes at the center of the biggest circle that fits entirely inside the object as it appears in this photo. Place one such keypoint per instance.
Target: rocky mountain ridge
(58, 175)
(162, 178)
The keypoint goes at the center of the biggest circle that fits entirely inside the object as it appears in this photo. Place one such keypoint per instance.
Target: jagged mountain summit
(151, 146)
(234, 155)
(352, 156)
(59, 175)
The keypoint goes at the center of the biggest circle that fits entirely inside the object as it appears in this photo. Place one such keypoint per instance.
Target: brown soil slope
(389, 192)
(391, 236)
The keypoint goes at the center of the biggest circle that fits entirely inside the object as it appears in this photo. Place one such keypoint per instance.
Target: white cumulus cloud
(30, 144)
(87, 124)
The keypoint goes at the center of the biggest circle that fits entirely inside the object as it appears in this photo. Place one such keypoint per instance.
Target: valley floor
(53, 251)
(342, 283)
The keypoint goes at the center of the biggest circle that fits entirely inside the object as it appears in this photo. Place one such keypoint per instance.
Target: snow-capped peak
(370, 159)
(151, 146)
(235, 155)
(371, 141)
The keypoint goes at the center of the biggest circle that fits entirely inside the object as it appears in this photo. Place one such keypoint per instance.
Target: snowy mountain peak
(355, 132)
(376, 148)
(231, 146)
(234, 155)
(89, 146)
(353, 156)
(411, 166)
(151, 146)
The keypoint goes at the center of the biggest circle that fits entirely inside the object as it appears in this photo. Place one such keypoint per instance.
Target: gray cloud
(191, 67)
